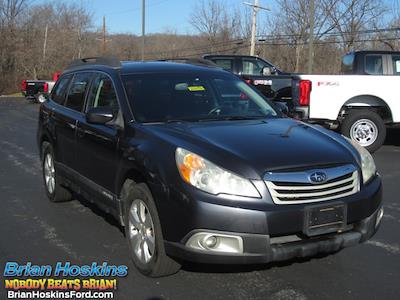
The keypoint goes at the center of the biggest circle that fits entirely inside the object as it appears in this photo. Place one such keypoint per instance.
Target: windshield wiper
(229, 118)
(183, 120)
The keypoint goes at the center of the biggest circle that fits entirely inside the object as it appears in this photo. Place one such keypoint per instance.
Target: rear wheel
(54, 191)
(143, 232)
(366, 128)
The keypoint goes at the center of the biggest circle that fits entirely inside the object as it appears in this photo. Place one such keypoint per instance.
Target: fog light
(379, 217)
(215, 242)
(210, 241)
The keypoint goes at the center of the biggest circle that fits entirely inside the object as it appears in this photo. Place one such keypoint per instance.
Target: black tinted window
(77, 91)
(373, 64)
(166, 97)
(60, 90)
(253, 66)
(226, 64)
(102, 93)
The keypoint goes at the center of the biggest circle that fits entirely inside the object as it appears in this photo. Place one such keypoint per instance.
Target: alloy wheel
(141, 231)
(49, 173)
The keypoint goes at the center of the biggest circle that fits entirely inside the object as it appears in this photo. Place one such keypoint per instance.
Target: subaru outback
(198, 166)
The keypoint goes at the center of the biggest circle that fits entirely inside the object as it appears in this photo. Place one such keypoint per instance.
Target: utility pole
(143, 27)
(45, 42)
(104, 36)
(311, 38)
(256, 7)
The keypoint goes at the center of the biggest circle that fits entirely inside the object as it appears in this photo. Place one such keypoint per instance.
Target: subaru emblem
(317, 177)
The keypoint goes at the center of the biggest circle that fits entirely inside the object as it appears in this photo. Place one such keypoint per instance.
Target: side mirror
(100, 115)
(282, 107)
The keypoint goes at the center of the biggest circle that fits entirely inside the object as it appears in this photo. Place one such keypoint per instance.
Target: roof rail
(192, 61)
(106, 61)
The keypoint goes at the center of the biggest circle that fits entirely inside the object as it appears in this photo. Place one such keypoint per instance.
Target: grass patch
(19, 94)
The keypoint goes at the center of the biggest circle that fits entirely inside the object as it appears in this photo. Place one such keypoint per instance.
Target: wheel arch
(368, 102)
(45, 137)
(130, 174)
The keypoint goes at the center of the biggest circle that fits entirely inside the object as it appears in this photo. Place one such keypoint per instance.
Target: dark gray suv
(197, 165)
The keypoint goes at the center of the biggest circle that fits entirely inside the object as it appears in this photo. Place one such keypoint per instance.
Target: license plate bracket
(324, 219)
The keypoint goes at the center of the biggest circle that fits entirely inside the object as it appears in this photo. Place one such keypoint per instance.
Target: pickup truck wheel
(366, 128)
(143, 232)
(54, 191)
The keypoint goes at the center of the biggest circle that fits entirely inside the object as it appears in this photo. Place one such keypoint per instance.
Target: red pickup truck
(37, 90)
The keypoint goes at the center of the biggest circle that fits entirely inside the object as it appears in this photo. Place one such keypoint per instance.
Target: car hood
(251, 148)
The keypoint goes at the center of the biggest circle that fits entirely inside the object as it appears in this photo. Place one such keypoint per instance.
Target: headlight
(368, 167)
(210, 178)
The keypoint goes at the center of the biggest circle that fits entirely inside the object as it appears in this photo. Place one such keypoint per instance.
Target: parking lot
(34, 229)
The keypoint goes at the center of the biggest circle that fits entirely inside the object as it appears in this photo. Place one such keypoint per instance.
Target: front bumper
(269, 232)
(263, 249)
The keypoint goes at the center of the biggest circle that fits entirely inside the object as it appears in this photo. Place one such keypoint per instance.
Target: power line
(223, 51)
(333, 34)
(272, 40)
(331, 42)
(203, 47)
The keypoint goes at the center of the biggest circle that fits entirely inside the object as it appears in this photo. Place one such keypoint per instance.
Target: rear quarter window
(374, 64)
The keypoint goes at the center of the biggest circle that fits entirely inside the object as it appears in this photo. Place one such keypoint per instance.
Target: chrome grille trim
(295, 187)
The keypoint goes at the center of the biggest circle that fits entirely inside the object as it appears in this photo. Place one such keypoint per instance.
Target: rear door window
(374, 64)
(77, 91)
(252, 66)
(396, 64)
(60, 90)
(226, 64)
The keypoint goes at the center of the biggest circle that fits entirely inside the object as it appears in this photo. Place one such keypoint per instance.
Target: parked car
(266, 77)
(198, 166)
(38, 90)
(361, 103)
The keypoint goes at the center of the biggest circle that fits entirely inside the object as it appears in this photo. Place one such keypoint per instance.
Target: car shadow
(392, 137)
(110, 219)
(220, 268)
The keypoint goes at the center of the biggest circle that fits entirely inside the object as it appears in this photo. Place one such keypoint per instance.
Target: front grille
(296, 187)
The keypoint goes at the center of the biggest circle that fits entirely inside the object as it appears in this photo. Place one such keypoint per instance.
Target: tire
(365, 127)
(54, 191)
(146, 244)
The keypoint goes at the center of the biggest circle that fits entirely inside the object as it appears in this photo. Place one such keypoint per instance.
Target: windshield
(186, 97)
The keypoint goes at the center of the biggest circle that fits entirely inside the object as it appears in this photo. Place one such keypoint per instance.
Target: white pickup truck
(362, 104)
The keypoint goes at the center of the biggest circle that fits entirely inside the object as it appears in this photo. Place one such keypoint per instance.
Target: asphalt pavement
(34, 229)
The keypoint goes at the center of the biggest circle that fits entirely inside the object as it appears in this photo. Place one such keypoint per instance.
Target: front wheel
(54, 191)
(366, 128)
(143, 232)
